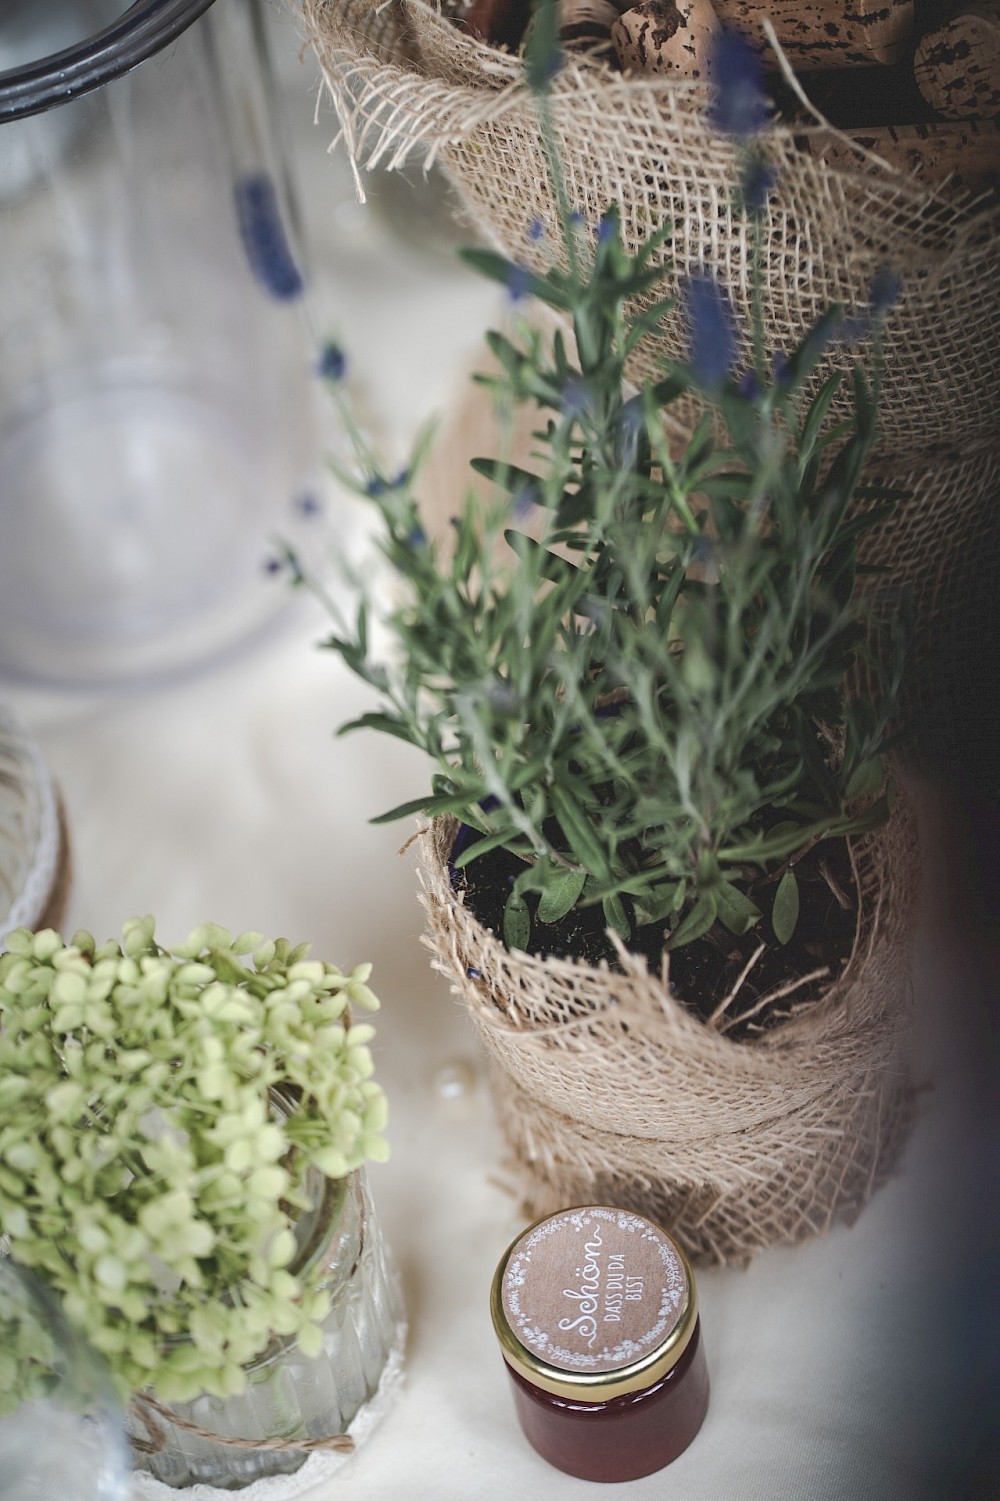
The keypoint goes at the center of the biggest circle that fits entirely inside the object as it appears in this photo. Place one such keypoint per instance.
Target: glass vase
(157, 420)
(288, 1395)
(61, 1428)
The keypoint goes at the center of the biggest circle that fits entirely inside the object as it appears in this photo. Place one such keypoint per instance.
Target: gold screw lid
(594, 1302)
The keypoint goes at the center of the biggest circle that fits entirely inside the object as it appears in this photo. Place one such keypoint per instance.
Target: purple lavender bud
(332, 363)
(307, 504)
(853, 329)
(738, 105)
(522, 501)
(756, 181)
(885, 289)
(711, 331)
(577, 396)
(607, 227)
(285, 562)
(536, 230)
(518, 282)
(266, 245)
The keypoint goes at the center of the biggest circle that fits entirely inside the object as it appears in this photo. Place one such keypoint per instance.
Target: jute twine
(145, 1409)
(608, 1090)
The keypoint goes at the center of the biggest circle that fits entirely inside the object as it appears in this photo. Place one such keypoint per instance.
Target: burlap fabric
(608, 1090)
(404, 80)
(406, 83)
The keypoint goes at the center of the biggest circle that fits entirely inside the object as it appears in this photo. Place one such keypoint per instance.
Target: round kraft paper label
(594, 1289)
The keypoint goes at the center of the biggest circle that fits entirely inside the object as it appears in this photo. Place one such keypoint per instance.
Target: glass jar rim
(144, 28)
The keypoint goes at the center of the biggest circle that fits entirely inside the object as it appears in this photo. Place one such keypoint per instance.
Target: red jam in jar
(597, 1318)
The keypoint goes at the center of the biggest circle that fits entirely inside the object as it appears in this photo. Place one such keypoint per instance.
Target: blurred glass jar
(61, 1432)
(289, 1395)
(156, 395)
(34, 854)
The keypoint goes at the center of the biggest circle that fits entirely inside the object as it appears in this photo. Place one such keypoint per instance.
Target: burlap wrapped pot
(607, 1090)
(406, 81)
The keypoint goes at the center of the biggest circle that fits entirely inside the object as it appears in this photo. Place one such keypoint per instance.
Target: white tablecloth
(836, 1366)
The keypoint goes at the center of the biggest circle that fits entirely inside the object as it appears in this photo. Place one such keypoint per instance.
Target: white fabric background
(836, 1367)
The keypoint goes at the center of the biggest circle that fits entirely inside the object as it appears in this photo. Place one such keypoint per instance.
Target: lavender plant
(631, 666)
(166, 1117)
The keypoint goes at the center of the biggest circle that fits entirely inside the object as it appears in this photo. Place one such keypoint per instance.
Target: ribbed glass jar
(288, 1395)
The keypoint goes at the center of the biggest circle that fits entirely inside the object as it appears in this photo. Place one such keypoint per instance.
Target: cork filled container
(596, 1313)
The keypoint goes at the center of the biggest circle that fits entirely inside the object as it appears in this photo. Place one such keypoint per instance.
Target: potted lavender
(666, 868)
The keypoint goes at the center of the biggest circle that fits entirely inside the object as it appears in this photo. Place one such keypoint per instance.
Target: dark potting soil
(703, 972)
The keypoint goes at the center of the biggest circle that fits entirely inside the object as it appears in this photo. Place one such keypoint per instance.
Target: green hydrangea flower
(166, 1116)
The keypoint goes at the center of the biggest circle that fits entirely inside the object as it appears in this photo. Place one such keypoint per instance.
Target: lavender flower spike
(332, 363)
(885, 289)
(607, 227)
(265, 241)
(518, 282)
(739, 106)
(711, 331)
(757, 179)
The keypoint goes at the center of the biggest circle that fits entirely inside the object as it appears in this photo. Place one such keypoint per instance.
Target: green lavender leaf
(560, 894)
(785, 910)
(516, 922)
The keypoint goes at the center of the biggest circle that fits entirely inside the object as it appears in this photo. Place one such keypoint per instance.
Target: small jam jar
(597, 1318)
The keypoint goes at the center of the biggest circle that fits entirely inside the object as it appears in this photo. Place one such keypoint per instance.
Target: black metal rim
(146, 27)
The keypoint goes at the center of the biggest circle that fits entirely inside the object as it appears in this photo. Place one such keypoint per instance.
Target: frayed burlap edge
(405, 82)
(607, 1089)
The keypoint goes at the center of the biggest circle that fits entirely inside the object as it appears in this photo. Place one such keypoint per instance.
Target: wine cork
(824, 33)
(957, 66)
(666, 36)
(587, 24)
(963, 153)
